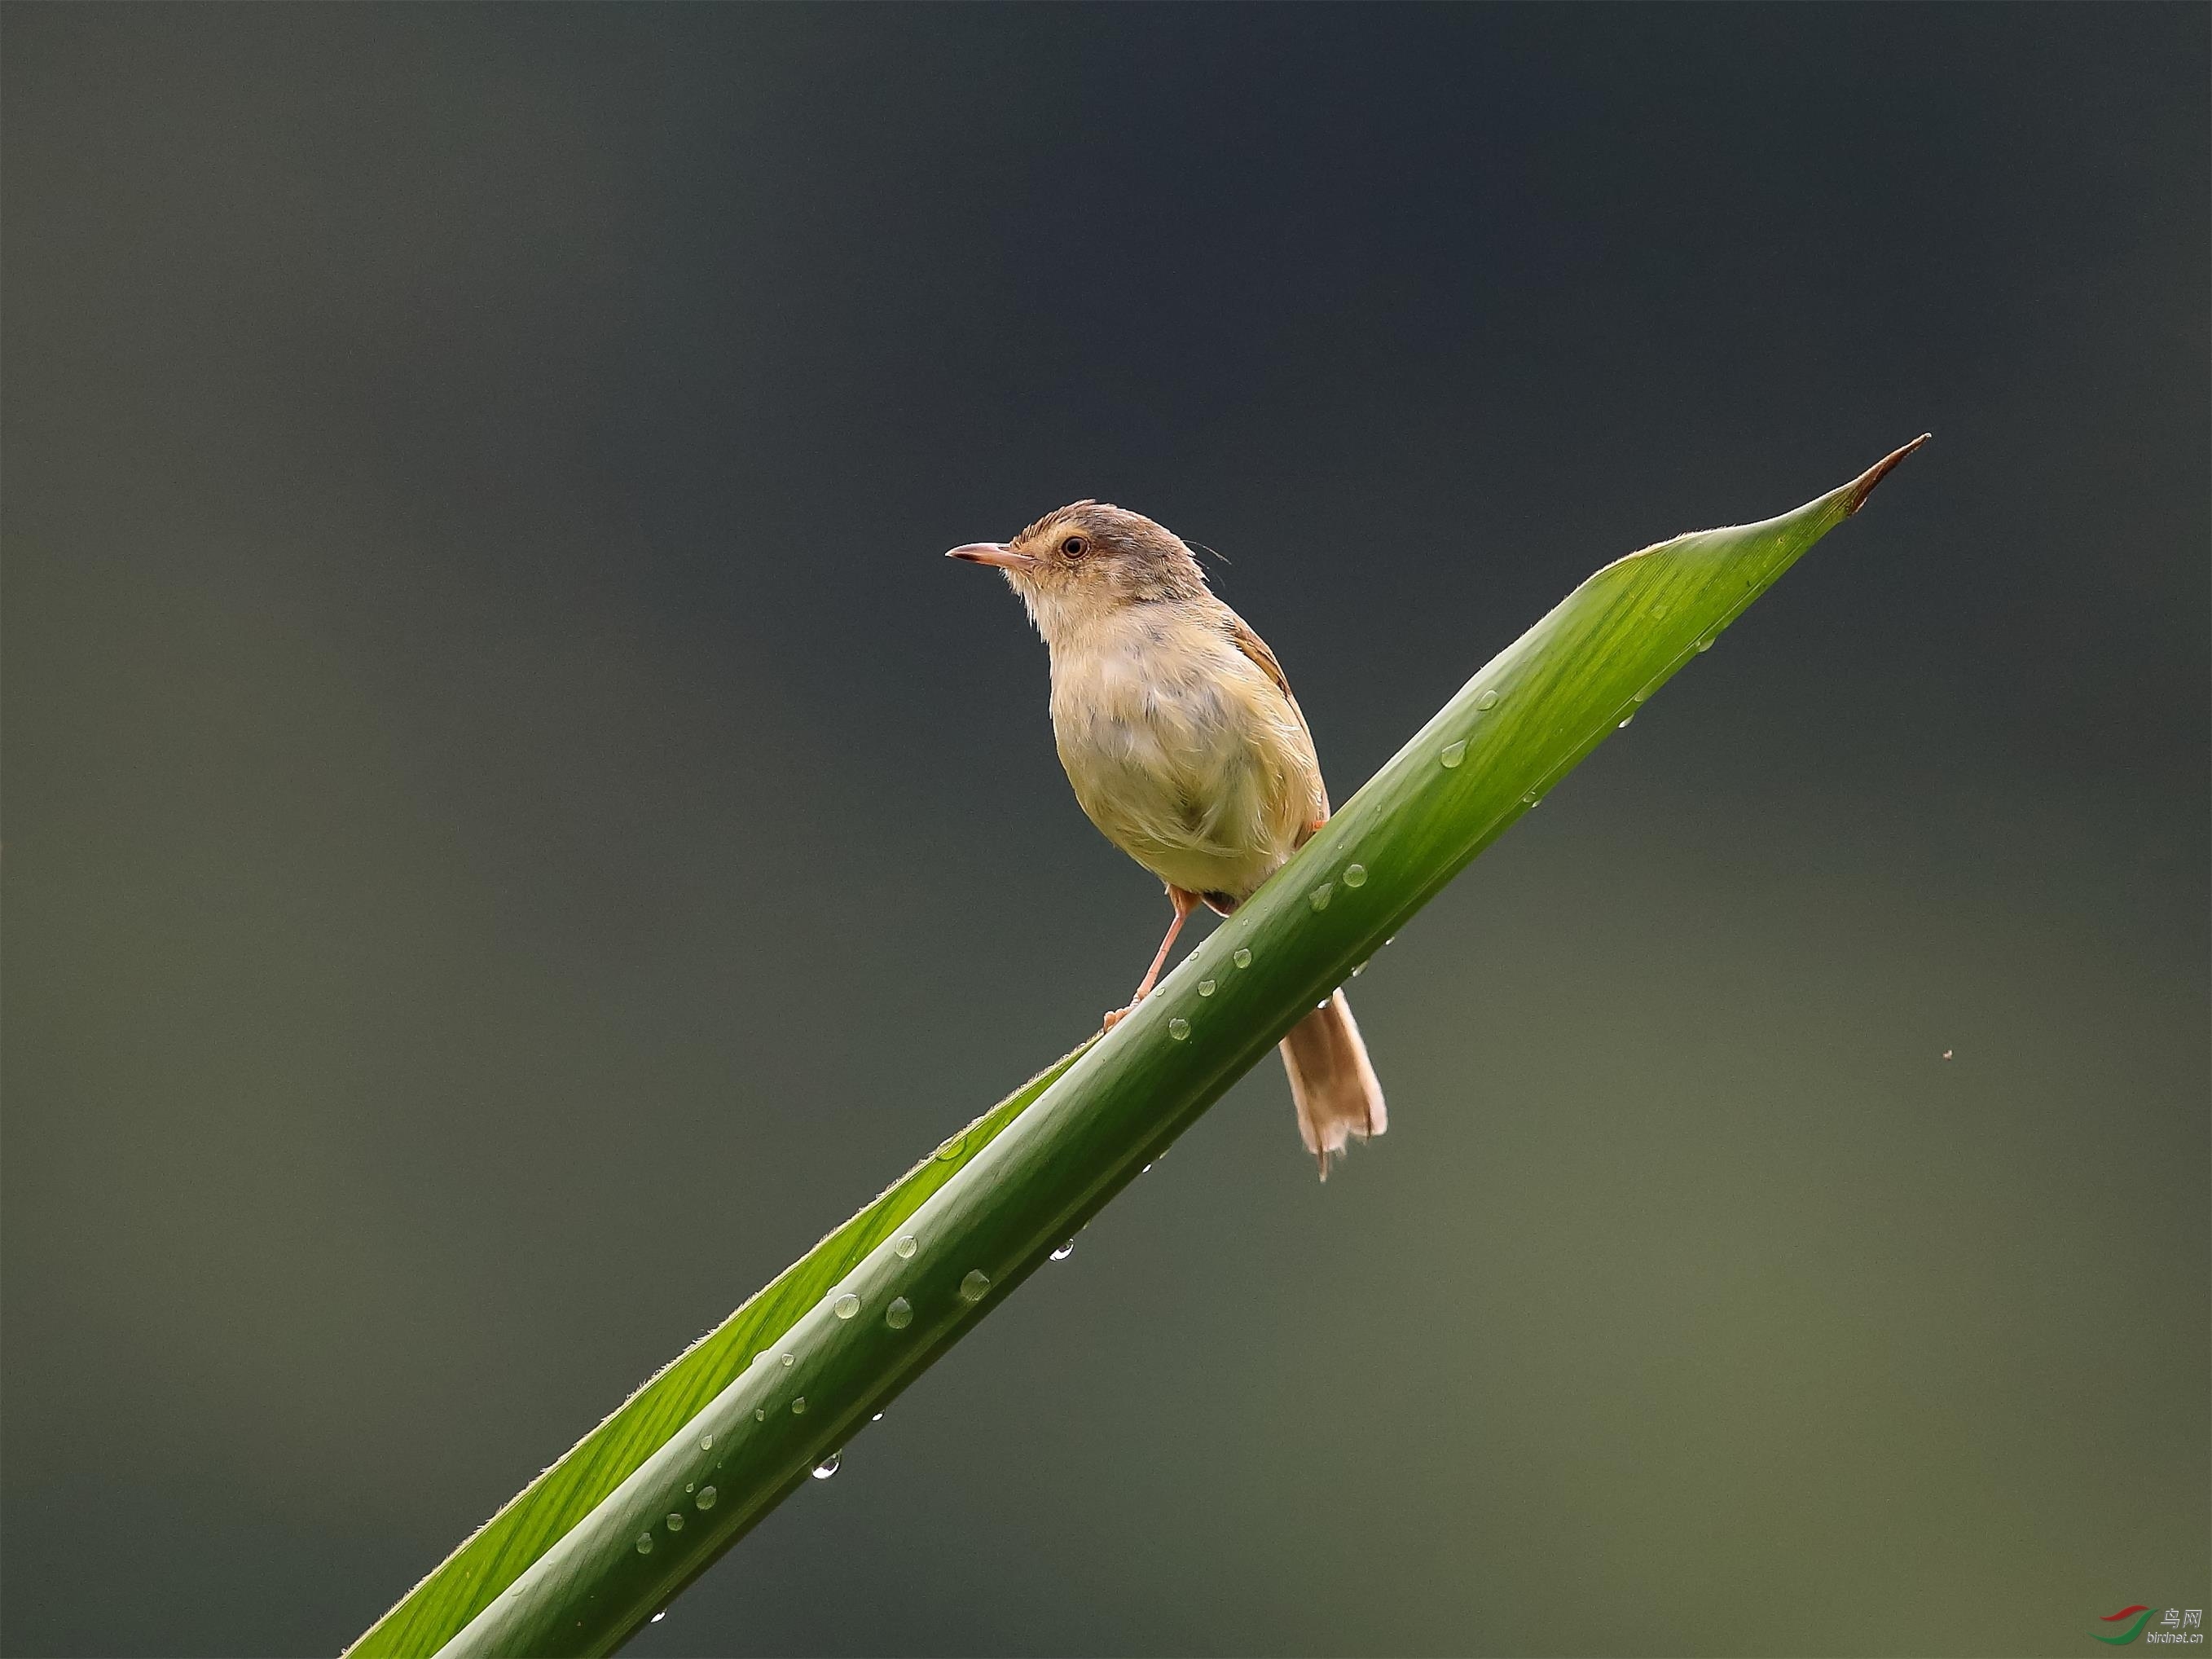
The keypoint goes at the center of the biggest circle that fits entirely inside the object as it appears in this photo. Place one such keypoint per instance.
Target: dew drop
(789, 1360)
(1360, 969)
(1178, 1028)
(645, 1543)
(1064, 1251)
(827, 1467)
(846, 1305)
(706, 1442)
(1705, 643)
(1355, 875)
(1243, 958)
(1488, 700)
(949, 1149)
(972, 1287)
(905, 1246)
(675, 1522)
(1454, 753)
(658, 1617)
(690, 1485)
(799, 1406)
(760, 1413)
(706, 1497)
(1320, 897)
(1623, 726)
(878, 1418)
(900, 1314)
(1206, 987)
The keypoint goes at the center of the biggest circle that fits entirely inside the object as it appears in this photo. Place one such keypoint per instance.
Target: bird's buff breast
(1182, 751)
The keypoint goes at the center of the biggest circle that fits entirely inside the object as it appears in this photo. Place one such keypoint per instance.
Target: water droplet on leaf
(1206, 987)
(1320, 897)
(645, 1543)
(1355, 875)
(905, 1246)
(1064, 1251)
(827, 1467)
(799, 1406)
(900, 1314)
(1178, 1028)
(1453, 753)
(706, 1499)
(675, 1522)
(973, 1286)
(1243, 958)
(846, 1305)
(1488, 700)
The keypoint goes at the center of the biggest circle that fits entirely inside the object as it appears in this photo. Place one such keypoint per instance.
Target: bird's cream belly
(1179, 755)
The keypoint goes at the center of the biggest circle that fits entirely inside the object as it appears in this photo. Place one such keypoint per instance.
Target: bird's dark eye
(1074, 547)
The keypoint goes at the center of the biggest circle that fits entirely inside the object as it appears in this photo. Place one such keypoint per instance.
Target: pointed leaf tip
(1863, 487)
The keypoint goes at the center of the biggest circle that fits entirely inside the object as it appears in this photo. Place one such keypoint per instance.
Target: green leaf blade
(582, 1556)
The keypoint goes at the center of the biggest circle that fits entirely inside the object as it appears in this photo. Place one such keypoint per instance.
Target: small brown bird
(1178, 729)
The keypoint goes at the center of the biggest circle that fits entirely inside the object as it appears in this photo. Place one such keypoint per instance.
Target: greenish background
(512, 830)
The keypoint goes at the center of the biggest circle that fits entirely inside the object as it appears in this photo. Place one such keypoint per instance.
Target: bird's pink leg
(1184, 904)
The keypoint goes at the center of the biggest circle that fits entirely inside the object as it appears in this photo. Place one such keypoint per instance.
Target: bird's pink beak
(996, 553)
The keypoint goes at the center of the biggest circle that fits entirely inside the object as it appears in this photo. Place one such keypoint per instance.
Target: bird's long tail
(1332, 1082)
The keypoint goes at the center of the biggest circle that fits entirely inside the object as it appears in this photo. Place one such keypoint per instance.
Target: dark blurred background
(514, 829)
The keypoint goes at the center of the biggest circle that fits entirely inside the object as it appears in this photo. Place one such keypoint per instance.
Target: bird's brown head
(1087, 559)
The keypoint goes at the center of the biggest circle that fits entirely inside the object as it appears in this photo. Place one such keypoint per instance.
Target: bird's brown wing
(1241, 636)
